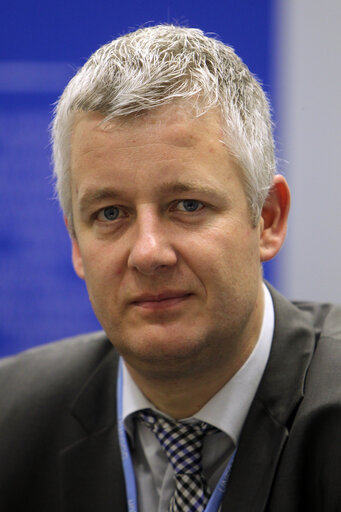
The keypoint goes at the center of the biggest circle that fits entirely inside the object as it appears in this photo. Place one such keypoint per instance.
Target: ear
(274, 218)
(76, 253)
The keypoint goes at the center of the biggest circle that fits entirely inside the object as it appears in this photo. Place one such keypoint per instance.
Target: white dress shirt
(226, 410)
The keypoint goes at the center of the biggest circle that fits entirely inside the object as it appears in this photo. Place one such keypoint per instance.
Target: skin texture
(164, 240)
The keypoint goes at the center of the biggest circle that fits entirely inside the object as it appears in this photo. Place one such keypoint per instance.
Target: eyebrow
(193, 187)
(91, 197)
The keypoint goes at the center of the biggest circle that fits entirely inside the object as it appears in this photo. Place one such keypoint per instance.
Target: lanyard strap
(128, 469)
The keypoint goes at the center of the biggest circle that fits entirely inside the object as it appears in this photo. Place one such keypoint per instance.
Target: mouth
(160, 301)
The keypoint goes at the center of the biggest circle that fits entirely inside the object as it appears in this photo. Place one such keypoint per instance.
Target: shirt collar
(228, 408)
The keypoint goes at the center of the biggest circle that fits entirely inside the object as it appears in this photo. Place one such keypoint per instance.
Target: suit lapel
(257, 457)
(90, 468)
(92, 475)
(268, 423)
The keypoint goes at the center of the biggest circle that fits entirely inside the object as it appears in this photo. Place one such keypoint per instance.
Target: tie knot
(181, 441)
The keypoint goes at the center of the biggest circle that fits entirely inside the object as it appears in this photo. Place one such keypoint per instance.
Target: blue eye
(189, 205)
(110, 213)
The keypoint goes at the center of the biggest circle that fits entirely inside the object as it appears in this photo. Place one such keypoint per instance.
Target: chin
(165, 358)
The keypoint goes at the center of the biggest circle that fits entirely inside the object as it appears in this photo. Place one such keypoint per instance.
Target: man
(226, 396)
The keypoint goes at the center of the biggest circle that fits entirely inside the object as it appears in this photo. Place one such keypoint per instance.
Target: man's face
(164, 240)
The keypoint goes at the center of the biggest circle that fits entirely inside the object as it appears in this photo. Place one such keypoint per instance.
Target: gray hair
(159, 65)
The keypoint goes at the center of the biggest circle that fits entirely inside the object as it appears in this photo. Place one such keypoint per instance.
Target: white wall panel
(308, 68)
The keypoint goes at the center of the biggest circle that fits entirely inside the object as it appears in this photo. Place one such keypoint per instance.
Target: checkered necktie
(182, 443)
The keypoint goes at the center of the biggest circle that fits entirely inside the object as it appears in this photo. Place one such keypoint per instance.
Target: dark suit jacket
(58, 434)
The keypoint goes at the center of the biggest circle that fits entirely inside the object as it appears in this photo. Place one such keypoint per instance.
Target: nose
(151, 248)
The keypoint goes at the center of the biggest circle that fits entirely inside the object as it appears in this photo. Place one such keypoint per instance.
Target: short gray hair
(156, 66)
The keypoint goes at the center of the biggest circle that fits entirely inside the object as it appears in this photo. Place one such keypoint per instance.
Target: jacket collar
(94, 406)
(267, 425)
(91, 472)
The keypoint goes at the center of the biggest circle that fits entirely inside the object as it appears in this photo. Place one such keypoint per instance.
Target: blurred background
(292, 46)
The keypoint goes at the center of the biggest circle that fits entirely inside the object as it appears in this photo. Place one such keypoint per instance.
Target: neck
(184, 397)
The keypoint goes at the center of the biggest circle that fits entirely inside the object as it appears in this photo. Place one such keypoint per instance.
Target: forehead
(173, 125)
(169, 144)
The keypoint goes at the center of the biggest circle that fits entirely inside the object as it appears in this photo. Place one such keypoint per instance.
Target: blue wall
(41, 44)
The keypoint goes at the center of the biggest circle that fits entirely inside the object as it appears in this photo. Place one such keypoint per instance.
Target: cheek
(231, 259)
(101, 266)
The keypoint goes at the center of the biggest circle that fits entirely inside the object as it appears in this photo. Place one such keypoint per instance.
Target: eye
(109, 213)
(189, 205)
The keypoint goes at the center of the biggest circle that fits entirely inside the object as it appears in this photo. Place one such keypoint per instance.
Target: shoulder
(324, 375)
(307, 350)
(38, 389)
(51, 370)
(323, 379)
(63, 353)
(326, 317)
(322, 317)
(319, 415)
(296, 319)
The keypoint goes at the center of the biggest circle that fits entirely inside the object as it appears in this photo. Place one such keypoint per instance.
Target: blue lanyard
(128, 469)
